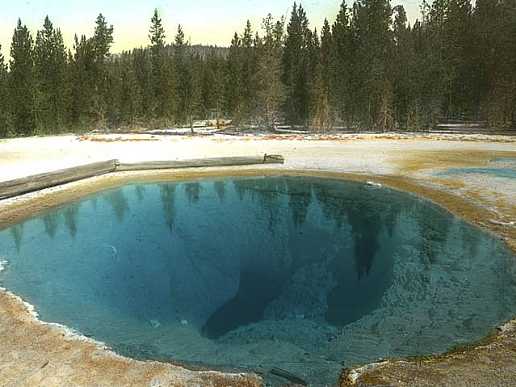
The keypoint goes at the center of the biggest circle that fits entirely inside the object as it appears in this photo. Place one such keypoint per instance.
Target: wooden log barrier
(41, 181)
(200, 163)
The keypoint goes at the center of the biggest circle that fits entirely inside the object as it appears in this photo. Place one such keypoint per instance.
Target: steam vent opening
(303, 275)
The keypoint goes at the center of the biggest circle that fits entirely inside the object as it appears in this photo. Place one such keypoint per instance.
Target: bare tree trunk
(191, 125)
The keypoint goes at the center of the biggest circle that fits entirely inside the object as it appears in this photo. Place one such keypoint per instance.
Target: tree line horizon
(370, 70)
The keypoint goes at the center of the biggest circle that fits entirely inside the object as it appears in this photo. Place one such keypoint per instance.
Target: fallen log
(200, 163)
(41, 181)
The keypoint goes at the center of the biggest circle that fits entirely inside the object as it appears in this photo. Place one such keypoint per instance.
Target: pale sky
(204, 21)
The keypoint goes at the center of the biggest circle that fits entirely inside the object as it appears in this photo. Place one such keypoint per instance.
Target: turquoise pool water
(504, 167)
(508, 173)
(304, 274)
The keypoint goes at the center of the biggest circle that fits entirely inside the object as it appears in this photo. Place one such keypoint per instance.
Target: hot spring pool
(304, 274)
(501, 167)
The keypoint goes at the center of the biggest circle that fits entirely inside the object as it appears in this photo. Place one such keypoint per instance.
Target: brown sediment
(419, 160)
(34, 353)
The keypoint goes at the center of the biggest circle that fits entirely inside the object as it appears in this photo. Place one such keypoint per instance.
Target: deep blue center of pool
(303, 274)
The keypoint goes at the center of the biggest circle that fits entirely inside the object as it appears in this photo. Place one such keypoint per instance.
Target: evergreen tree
(113, 92)
(487, 35)
(418, 113)
(321, 110)
(371, 29)
(296, 68)
(341, 67)
(50, 64)
(193, 91)
(163, 98)
(436, 77)
(102, 41)
(232, 80)
(458, 48)
(313, 78)
(131, 94)
(494, 26)
(21, 87)
(212, 85)
(83, 113)
(271, 91)
(4, 98)
(184, 76)
(371, 69)
(142, 64)
(248, 71)
(240, 83)
(402, 68)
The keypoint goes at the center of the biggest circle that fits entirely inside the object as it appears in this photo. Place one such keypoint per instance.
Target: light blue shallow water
(303, 274)
(504, 167)
(497, 172)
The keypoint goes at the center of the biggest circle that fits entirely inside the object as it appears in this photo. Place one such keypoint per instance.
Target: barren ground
(33, 353)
